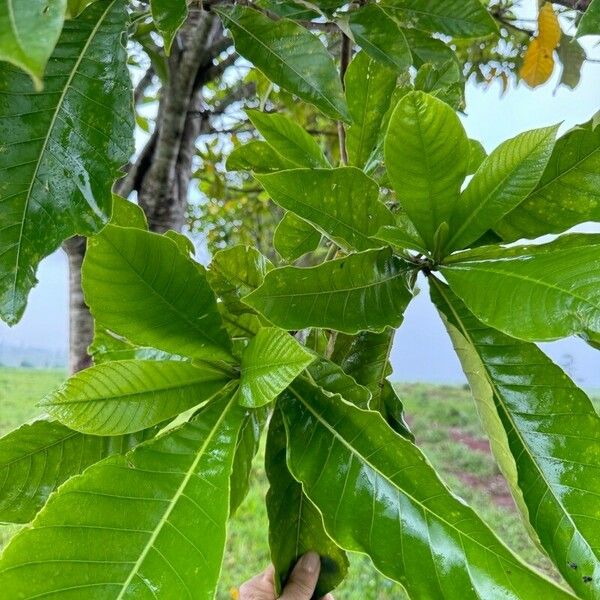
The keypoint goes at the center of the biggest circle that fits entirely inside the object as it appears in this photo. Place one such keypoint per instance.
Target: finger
(328, 597)
(303, 579)
(261, 587)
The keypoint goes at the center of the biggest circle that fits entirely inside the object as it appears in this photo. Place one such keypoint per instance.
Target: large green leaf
(151, 522)
(37, 458)
(294, 237)
(235, 272)
(272, 360)
(342, 203)
(257, 156)
(456, 18)
(28, 33)
(568, 192)
(332, 378)
(590, 21)
(168, 16)
(501, 183)
(427, 49)
(295, 524)
(545, 435)
(533, 292)
(289, 56)
(380, 37)
(445, 81)
(125, 396)
(362, 291)
(287, 138)
(139, 285)
(379, 495)
(426, 156)
(61, 148)
(369, 88)
(366, 358)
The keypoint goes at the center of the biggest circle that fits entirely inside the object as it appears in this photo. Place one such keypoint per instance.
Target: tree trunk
(81, 324)
(162, 172)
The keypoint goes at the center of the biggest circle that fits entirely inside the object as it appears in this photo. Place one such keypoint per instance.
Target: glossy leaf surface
(290, 511)
(63, 147)
(380, 37)
(502, 182)
(28, 32)
(533, 292)
(272, 360)
(130, 395)
(332, 378)
(257, 156)
(369, 88)
(379, 495)
(568, 192)
(342, 203)
(294, 237)
(362, 291)
(288, 139)
(235, 272)
(139, 285)
(36, 458)
(545, 434)
(456, 18)
(149, 523)
(168, 16)
(289, 56)
(426, 156)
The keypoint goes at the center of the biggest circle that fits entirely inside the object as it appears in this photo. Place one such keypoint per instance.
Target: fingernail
(310, 562)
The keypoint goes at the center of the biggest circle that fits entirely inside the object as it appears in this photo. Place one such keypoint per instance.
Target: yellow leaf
(538, 64)
(548, 27)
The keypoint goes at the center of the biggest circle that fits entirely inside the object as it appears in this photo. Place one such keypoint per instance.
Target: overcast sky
(422, 351)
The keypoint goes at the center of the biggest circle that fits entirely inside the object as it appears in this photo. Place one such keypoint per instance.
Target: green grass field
(446, 427)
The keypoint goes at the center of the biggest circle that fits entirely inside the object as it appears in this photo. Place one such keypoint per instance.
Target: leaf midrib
(516, 429)
(176, 497)
(59, 104)
(425, 508)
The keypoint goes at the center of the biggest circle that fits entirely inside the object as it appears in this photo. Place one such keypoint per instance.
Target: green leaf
(140, 286)
(257, 156)
(442, 81)
(130, 395)
(168, 16)
(37, 458)
(533, 293)
(127, 214)
(131, 525)
(61, 149)
(476, 156)
(402, 236)
(590, 21)
(289, 56)
(246, 448)
(502, 182)
(568, 192)
(369, 87)
(342, 203)
(545, 435)
(366, 358)
(380, 37)
(290, 511)
(333, 379)
(426, 156)
(185, 245)
(272, 360)
(463, 19)
(379, 495)
(28, 33)
(288, 139)
(235, 272)
(427, 49)
(294, 237)
(241, 326)
(571, 56)
(362, 291)
(76, 7)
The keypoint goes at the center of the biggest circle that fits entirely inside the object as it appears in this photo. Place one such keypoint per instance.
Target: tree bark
(81, 324)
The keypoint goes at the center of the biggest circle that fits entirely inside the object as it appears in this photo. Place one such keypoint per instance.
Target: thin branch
(144, 82)
(345, 55)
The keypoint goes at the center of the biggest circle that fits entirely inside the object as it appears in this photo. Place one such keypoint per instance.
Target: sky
(422, 350)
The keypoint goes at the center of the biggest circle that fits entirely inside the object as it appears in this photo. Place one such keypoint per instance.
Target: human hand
(300, 586)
